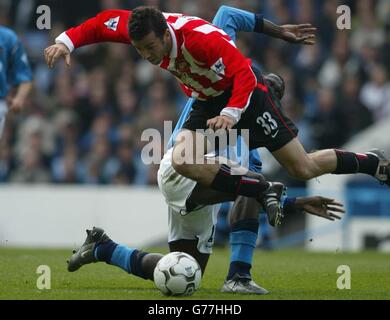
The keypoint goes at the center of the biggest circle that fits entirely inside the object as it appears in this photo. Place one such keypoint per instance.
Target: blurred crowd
(83, 124)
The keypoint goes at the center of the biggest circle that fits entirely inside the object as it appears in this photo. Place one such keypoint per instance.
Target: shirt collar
(173, 53)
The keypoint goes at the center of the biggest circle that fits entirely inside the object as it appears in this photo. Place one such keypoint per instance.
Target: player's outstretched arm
(107, 26)
(17, 101)
(232, 20)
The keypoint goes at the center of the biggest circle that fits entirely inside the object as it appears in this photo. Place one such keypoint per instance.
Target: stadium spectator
(376, 93)
(31, 169)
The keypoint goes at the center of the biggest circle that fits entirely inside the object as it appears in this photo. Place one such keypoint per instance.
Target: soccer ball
(177, 274)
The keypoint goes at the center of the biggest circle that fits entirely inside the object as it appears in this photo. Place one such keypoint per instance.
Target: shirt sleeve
(226, 60)
(107, 26)
(233, 20)
(20, 70)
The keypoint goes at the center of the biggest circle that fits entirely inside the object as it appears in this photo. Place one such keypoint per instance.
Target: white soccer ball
(177, 274)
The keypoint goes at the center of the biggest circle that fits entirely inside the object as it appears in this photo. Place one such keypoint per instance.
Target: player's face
(153, 48)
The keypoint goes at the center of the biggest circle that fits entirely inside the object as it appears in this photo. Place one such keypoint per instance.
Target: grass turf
(291, 275)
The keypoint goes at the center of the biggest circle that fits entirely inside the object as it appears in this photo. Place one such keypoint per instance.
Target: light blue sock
(115, 254)
(243, 239)
(242, 245)
(121, 257)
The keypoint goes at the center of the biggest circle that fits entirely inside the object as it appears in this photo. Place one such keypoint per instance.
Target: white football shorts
(195, 225)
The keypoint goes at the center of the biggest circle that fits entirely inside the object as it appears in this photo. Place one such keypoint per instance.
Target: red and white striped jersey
(203, 58)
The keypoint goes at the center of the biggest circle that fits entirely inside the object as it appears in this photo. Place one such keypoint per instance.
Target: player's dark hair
(145, 20)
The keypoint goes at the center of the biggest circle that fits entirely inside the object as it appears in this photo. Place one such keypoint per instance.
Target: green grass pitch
(291, 275)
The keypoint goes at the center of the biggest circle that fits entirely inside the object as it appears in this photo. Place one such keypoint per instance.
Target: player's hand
(15, 104)
(220, 122)
(55, 52)
(301, 33)
(319, 206)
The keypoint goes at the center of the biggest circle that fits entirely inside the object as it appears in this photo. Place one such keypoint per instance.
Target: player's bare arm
(326, 208)
(247, 208)
(300, 34)
(16, 101)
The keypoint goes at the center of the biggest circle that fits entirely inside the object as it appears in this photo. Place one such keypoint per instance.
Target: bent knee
(301, 172)
(180, 163)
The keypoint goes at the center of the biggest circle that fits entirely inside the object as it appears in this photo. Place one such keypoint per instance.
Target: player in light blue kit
(193, 210)
(15, 75)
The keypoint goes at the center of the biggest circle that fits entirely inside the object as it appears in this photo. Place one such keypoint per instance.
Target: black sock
(241, 268)
(368, 163)
(350, 163)
(136, 264)
(143, 264)
(238, 185)
(104, 251)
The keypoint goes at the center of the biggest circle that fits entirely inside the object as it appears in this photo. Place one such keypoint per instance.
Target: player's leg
(187, 153)
(187, 159)
(193, 232)
(201, 196)
(190, 247)
(290, 153)
(244, 221)
(99, 247)
(189, 223)
(243, 236)
(304, 166)
(200, 224)
(192, 216)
